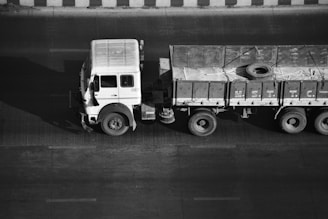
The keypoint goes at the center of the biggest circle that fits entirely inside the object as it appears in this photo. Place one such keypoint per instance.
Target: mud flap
(134, 125)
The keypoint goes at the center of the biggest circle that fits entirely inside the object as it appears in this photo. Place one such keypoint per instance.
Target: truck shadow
(263, 119)
(40, 91)
(180, 124)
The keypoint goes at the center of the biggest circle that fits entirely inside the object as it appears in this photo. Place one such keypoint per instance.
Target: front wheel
(293, 121)
(321, 123)
(202, 123)
(114, 124)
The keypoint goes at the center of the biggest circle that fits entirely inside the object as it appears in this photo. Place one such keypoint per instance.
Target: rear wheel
(114, 124)
(321, 123)
(202, 123)
(293, 120)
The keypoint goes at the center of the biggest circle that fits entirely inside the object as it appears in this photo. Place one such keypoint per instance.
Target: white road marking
(70, 147)
(63, 200)
(63, 50)
(211, 146)
(217, 199)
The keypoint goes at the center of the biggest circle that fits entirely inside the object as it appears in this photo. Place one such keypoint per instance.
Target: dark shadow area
(180, 124)
(257, 2)
(203, 3)
(241, 71)
(149, 74)
(230, 2)
(40, 91)
(176, 3)
(264, 119)
(229, 115)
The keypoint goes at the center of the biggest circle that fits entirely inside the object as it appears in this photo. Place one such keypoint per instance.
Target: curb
(162, 3)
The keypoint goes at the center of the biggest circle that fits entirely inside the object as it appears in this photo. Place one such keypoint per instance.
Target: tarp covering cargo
(219, 75)
(228, 63)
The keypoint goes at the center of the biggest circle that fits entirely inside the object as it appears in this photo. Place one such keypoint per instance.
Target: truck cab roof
(115, 56)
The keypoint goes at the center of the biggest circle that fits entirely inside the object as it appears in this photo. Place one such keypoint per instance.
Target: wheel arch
(199, 109)
(285, 109)
(320, 109)
(314, 111)
(116, 108)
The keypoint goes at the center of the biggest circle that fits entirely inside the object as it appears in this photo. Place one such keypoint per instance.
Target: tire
(293, 121)
(321, 123)
(259, 71)
(202, 123)
(114, 124)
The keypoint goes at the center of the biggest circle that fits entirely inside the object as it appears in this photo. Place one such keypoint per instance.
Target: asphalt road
(51, 168)
(158, 181)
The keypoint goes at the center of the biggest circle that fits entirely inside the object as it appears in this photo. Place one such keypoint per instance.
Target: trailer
(203, 81)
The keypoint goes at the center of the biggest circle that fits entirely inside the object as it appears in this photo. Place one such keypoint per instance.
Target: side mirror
(95, 84)
(141, 54)
(92, 86)
(141, 45)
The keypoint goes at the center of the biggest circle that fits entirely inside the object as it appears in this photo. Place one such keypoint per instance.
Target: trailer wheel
(114, 124)
(202, 123)
(321, 123)
(293, 120)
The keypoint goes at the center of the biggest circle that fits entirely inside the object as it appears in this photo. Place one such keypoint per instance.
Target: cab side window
(127, 81)
(108, 81)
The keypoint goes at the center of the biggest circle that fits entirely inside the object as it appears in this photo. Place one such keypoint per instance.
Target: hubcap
(115, 124)
(202, 125)
(293, 122)
(324, 123)
(261, 70)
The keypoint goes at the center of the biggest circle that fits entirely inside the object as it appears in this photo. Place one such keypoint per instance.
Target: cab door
(106, 88)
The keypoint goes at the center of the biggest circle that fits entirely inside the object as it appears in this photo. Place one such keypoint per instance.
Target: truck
(203, 81)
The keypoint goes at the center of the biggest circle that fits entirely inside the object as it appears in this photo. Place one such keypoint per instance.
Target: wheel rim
(293, 123)
(261, 70)
(115, 124)
(324, 124)
(202, 125)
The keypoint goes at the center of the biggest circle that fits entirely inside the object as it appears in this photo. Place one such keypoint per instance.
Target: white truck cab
(110, 84)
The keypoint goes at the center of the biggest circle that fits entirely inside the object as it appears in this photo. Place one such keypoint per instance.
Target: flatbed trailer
(292, 80)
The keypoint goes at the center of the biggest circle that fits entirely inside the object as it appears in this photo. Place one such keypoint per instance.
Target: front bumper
(85, 122)
(76, 103)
